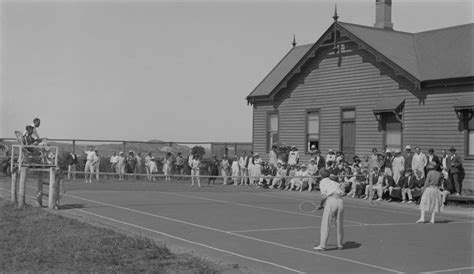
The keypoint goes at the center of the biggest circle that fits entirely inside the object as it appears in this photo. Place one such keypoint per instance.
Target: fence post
(14, 187)
(52, 188)
(22, 187)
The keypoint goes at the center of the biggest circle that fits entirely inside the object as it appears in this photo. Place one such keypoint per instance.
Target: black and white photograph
(236, 136)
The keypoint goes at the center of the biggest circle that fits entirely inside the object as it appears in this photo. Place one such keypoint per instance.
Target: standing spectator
(153, 168)
(225, 169)
(190, 161)
(96, 164)
(71, 161)
(398, 165)
(251, 168)
(195, 165)
(89, 168)
(213, 169)
(114, 162)
(373, 160)
(121, 165)
(167, 166)
(130, 163)
(454, 165)
(179, 165)
(139, 165)
(431, 157)
(243, 168)
(330, 158)
(148, 160)
(408, 157)
(320, 162)
(387, 163)
(419, 161)
(235, 170)
(273, 157)
(257, 173)
(444, 164)
(431, 198)
(294, 156)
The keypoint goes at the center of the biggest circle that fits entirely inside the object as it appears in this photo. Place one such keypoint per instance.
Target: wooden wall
(347, 81)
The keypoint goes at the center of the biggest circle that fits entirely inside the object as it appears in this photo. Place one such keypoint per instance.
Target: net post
(52, 188)
(22, 187)
(14, 187)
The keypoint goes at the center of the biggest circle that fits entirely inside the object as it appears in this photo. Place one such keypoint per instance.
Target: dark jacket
(454, 165)
(388, 181)
(71, 159)
(409, 182)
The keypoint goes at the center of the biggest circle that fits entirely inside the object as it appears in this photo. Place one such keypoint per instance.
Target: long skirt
(431, 199)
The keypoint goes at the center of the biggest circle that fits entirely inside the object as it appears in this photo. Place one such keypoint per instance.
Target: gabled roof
(284, 67)
(431, 55)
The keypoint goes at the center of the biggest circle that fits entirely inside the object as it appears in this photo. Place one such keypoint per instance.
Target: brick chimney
(383, 14)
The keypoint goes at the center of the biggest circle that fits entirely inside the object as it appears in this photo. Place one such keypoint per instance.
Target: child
(235, 170)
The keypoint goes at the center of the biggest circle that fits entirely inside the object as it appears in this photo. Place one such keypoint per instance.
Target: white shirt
(114, 159)
(195, 164)
(273, 158)
(329, 187)
(91, 155)
(242, 161)
(235, 165)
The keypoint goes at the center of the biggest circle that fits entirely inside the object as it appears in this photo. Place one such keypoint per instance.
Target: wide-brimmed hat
(407, 147)
(330, 151)
(452, 149)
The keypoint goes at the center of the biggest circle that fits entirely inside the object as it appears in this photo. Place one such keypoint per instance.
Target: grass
(34, 240)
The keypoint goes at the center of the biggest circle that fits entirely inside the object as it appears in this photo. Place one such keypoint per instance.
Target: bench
(468, 199)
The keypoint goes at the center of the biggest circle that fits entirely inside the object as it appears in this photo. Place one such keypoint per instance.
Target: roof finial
(294, 41)
(335, 16)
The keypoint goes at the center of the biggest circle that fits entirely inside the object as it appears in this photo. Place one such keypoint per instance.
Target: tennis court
(263, 231)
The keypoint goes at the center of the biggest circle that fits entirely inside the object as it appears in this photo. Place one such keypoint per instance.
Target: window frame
(466, 134)
(384, 130)
(306, 139)
(269, 113)
(342, 120)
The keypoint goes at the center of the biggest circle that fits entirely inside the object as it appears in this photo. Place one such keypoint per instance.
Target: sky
(165, 70)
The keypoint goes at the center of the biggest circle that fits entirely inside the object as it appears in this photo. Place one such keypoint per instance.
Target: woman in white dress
(431, 198)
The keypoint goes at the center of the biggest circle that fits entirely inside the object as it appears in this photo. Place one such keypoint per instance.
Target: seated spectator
(29, 139)
(296, 183)
(395, 191)
(418, 183)
(291, 175)
(278, 178)
(269, 172)
(445, 189)
(353, 182)
(375, 183)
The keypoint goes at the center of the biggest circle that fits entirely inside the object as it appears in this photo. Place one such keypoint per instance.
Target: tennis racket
(309, 207)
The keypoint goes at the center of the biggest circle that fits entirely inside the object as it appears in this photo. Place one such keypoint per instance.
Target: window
(272, 130)
(470, 137)
(392, 132)
(312, 130)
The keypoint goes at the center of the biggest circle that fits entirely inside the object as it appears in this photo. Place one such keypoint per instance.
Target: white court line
(175, 237)
(252, 206)
(447, 270)
(192, 242)
(404, 211)
(313, 227)
(235, 234)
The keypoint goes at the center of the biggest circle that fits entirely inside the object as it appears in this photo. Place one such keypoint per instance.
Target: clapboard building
(360, 87)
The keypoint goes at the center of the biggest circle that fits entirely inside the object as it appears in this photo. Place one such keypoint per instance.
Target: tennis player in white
(333, 208)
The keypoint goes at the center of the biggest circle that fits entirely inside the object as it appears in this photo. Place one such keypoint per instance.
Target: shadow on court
(346, 245)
